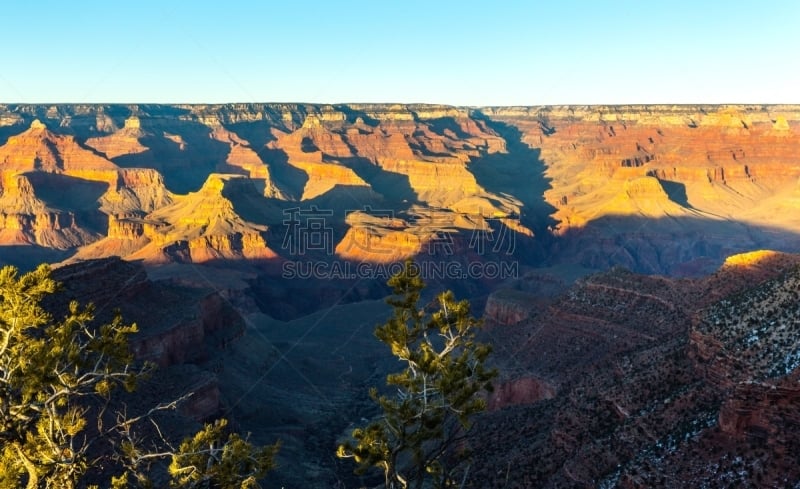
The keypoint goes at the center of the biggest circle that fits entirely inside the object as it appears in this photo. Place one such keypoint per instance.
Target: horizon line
(428, 104)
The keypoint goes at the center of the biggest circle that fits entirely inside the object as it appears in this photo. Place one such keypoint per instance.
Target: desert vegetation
(420, 439)
(67, 421)
(758, 329)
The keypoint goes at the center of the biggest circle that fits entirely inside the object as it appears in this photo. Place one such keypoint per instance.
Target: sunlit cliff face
(388, 182)
(733, 163)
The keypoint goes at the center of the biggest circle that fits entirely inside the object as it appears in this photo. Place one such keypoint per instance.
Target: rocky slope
(620, 380)
(635, 381)
(180, 327)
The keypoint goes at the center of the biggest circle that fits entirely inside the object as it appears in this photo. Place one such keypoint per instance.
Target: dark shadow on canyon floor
(186, 153)
(287, 178)
(518, 172)
(302, 370)
(676, 192)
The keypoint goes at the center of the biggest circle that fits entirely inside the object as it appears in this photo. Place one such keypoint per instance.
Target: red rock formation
(525, 390)
(34, 201)
(762, 412)
(204, 226)
(27, 220)
(204, 403)
(726, 158)
(312, 149)
(136, 190)
(660, 189)
(40, 149)
(507, 307)
(174, 323)
(126, 141)
(177, 344)
(180, 326)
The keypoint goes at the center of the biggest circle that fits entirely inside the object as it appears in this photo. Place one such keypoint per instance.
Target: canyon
(659, 189)
(645, 330)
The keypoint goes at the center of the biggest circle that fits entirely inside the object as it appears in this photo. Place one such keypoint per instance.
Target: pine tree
(423, 431)
(58, 426)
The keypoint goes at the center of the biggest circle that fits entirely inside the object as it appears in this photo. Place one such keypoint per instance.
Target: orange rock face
(761, 412)
(716, 161)
(39, 149)
(203, 226)
(655, 188)
(122, 142)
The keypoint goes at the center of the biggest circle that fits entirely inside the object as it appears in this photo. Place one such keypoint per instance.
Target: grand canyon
(635, 267)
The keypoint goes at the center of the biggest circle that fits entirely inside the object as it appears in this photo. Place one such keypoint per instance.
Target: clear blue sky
(438, 51)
